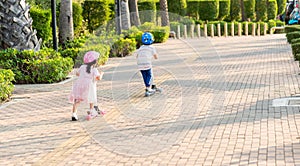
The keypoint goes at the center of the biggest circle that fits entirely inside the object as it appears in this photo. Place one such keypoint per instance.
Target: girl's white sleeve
(96, 72)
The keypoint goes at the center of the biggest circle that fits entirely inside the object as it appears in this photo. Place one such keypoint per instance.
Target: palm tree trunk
(125, 16)
(134, 13)
(164, 12)
(66, 31)
(16, 26)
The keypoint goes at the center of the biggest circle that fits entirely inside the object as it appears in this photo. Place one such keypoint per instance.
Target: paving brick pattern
(215, 109)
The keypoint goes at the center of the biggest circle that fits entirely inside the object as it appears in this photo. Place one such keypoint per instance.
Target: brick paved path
(215, 109)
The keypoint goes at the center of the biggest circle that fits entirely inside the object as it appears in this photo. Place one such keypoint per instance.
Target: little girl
(84, 88)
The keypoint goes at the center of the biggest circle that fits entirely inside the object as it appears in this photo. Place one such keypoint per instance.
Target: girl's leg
(75, 105)
(74, 110)
(91, 106)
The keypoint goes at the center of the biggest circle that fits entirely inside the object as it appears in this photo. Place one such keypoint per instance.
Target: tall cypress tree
(261, 10)
(235, 10)
(249, 6)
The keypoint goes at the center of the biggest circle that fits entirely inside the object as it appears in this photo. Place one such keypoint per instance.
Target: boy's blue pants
(147, 77)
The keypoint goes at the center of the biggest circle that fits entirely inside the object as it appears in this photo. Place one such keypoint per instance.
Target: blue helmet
(147, 38)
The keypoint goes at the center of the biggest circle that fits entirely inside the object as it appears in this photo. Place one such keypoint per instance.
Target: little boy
(144, 61)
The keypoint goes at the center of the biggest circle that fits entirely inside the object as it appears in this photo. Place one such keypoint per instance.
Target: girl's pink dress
(83, 89)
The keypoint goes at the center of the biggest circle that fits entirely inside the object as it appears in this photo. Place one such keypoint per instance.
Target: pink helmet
(90, 56)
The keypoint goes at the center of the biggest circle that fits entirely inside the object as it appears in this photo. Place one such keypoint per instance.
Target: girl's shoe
(99, 111)
(91, 115)
(74, 117)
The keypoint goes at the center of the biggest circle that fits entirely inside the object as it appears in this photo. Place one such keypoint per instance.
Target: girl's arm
(98, 75)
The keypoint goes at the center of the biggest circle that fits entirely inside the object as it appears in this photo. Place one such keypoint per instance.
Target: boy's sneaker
(149, 92)
(74, 117)
(154, 87)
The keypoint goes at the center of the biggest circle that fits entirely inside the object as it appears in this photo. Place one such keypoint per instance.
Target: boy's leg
(147, 76)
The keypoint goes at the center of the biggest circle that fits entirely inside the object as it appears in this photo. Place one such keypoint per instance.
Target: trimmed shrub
(53, 70)
(123, 47)
(281, 6)
(161, 34)
(292, 35)
(41, 22)
(249, 9)
(296, 50)
(45, 66)
(236, 25)
(6, 85)
(235, 10)
(209, 9)
(262, 26)
(103, 49)
(134, 33)
(177, 6)
(224, 9)
(95, 13)
(193, 8)
(292, 28)
(297, 40)
(261, 10)
(272, 9)
(271, 23)
(77, 18)
(147, 11)
(279, 23)
(297, 56)
(72, 48)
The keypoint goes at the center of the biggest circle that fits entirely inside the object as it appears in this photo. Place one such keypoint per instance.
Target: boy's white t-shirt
(144, 57)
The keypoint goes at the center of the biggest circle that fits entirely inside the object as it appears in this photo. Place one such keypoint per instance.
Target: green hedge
(77, 18)
(209, 9)
(41, 22)
(6, 85)
(123, 47)
(177, 6)
(272, 9)
(134, 33)
(45, 66)
(292, 35)
(95, 13)
(249, 7)
(296, 50)
(297, 40)
(193, 8)
(147, 11)
(236, 25)
(235, 10)
(224, 9)
(292, 28)
(161, 34)
(95, 43)
(261, 10)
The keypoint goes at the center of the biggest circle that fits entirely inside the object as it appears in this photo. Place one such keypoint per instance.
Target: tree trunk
(16, 26)
(66, 31)
(164, 12)
(125, 16)
(134, 13)
(243, 10)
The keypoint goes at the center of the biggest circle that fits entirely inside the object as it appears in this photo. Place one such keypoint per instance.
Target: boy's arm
(155, 56)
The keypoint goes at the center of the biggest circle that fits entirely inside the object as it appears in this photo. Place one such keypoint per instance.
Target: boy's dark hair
(88, 69)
